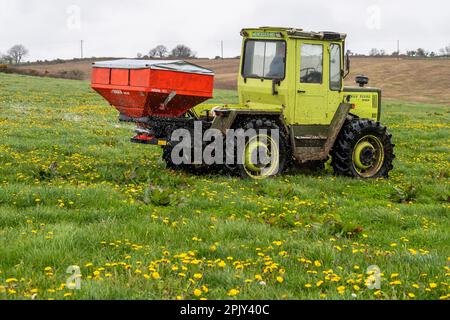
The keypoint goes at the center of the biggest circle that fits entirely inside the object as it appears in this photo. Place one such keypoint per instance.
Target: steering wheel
(311, 76)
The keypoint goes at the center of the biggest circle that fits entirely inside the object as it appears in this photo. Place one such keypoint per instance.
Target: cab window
(311, 68)
(335, 67)
(264, 59)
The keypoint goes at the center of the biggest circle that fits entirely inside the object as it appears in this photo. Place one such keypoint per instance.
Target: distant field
(75, 192)
(414, 80)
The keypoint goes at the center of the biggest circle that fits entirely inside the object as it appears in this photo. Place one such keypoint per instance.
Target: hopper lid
(169, 65)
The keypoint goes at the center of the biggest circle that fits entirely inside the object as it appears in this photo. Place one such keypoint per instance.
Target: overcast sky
(118, 28)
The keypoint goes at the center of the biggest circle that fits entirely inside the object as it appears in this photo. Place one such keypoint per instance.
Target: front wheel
(363, 149)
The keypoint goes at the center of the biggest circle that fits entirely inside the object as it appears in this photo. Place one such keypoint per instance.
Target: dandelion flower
(233, 292)
(155, 275)
(197, 292)
(198, 276)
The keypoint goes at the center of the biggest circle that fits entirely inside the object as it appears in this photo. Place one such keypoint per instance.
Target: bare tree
(17, 53)
(158, 52)
(374, 52)
(421, 52)
(445, 51)
(182, 51)
(139, 55)
(4, 58)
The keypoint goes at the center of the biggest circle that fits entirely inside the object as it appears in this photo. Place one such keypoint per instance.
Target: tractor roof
(280, 32)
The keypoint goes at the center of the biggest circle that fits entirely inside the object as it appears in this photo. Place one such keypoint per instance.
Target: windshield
(264, 59)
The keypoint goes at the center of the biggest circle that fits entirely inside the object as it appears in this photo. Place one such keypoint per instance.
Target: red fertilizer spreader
(152, 88)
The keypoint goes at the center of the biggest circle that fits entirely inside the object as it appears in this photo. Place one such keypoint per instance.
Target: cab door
(312, 84)
(336, 69)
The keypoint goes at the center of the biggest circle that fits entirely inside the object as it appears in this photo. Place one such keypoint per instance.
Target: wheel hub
(368, 156)
(364, 155)
(261, 157)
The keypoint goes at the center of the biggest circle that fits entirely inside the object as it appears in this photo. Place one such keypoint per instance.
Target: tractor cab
(301, 72)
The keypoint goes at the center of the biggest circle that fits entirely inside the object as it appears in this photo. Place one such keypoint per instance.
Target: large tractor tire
(363, 150)
(196, 169)
(263, 142)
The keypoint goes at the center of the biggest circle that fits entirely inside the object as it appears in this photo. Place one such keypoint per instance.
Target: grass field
(74, 191)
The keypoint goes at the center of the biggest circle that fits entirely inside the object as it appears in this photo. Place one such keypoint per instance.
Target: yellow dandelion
(155, 275)
(198, 276)
(233, 292)
(11, 280)
(197, 292)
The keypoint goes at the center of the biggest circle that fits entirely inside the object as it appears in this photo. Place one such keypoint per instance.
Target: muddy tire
(265, 141)
(363, 149)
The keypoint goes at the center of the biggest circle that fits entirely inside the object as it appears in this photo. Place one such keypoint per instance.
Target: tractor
(290, 82)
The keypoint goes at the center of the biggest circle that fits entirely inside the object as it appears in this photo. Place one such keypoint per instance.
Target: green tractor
(290, 82)
(293, 80)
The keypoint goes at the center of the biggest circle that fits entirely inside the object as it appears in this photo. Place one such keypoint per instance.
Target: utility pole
(81, 49)
(221, 45)
(398, 49)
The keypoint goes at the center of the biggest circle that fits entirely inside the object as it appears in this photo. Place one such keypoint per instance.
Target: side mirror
(347, 62)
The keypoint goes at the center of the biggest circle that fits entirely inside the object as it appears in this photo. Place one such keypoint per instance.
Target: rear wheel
(264, 154)
(363, 150)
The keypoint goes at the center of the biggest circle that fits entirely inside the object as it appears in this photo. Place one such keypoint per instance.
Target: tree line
(181, 51)
(420, 53)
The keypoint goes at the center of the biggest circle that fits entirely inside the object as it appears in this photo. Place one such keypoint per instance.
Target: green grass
(73, 192)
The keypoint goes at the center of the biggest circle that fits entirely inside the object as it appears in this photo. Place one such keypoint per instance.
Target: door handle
(301, 91)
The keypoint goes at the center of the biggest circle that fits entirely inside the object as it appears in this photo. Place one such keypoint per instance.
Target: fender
(225, 118)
